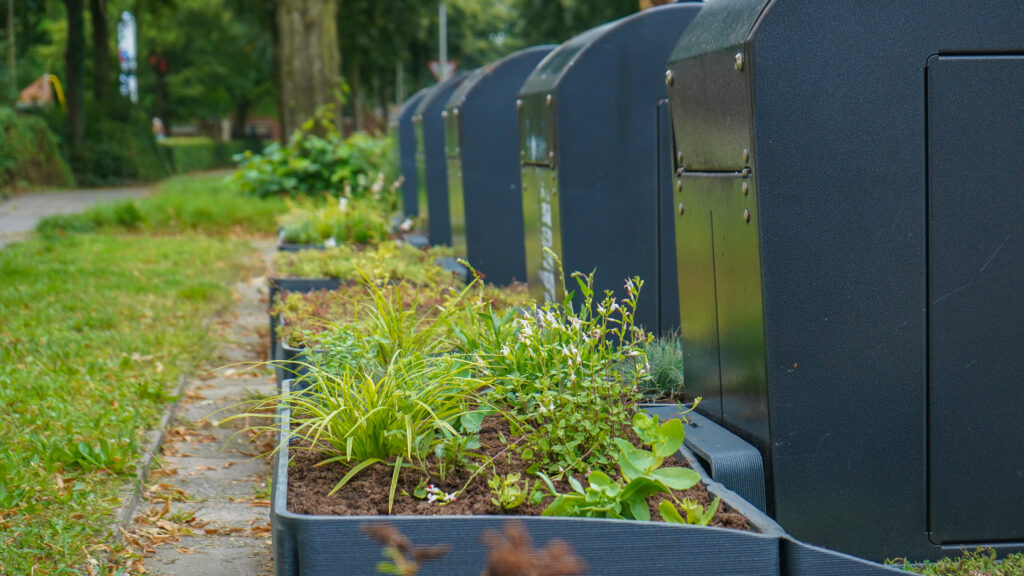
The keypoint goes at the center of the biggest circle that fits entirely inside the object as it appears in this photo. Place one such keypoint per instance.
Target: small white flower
(343, 204)
(506, 351)
(331, 243)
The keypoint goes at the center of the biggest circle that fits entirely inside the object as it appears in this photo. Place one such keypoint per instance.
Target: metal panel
(407, 153)
(541, 213)
(433, 173)
(668, 286)
(720, 295)
(975, 303)
(453, 158)
(712, 116)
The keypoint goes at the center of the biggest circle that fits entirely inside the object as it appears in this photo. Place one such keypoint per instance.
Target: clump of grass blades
(665, 380)
(397, 416)
(182, 204)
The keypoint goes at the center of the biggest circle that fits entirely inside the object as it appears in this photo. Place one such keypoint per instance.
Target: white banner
(126, 54)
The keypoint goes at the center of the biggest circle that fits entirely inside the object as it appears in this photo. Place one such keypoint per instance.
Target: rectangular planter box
(289, 362)
(278, 284)
(318, 545)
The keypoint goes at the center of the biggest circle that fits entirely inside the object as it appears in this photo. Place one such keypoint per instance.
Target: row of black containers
(825, 197)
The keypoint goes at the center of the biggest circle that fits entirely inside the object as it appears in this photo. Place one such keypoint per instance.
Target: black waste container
(406, 130)
(589, 144)
(484, 195)
(431, 169)
(850, 231)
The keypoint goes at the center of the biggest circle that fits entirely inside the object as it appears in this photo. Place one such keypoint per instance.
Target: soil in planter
(367, 493)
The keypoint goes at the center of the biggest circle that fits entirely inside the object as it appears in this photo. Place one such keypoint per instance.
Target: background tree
(310, 59)
(74, 78)
(101, 82)
(544, 21)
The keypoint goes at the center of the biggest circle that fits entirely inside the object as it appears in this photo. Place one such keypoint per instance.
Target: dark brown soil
(367, 493)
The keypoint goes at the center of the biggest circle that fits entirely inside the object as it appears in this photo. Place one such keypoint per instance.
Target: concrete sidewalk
(20, 214)
(205, 508)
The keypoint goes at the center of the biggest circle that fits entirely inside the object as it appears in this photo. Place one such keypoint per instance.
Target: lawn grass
(202, 203)
(96, 331)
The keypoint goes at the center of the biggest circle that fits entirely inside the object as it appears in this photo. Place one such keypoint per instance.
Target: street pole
(442, 15)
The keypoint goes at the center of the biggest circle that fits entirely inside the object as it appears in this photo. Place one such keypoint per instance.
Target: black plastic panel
(668, 287)
(976, 298)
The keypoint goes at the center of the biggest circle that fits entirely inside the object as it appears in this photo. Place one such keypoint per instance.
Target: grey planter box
(278, 284)
(289, 361)
(321, 545)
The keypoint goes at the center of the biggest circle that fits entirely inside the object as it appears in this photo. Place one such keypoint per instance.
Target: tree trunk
(74, 75)
(310, 60)
(100, 54)
(357, 95)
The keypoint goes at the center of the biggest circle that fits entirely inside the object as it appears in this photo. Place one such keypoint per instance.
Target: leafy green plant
(665, 380)
(558, 374)
(314, 165)
(508, 494)
(642, 476)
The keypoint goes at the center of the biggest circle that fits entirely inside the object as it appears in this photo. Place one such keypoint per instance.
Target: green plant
(396, 416)
(29, 154)
(198, 203)
(383, 262)
(981, 561)
(508, 494)
(337, 221)
(313, 165)
(665, 380)
(642, 476)
(95, 338)
(558, 374)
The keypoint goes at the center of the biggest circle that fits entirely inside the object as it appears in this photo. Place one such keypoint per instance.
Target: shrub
(314, 165)
(29, 153)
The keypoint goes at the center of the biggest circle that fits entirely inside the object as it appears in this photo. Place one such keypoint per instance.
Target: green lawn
(95, 331)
